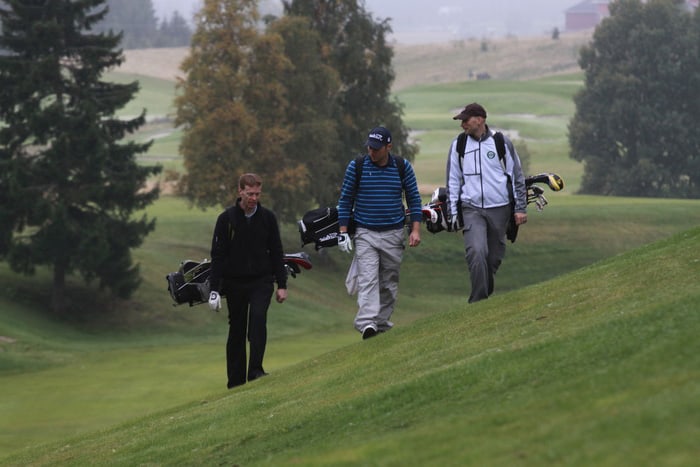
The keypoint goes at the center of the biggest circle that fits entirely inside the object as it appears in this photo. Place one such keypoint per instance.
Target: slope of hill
(457, 61)
(597, 367)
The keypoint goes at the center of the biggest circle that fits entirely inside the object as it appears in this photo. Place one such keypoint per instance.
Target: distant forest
(137, 20)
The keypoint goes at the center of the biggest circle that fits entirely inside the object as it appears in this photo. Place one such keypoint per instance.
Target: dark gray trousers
(485, 246)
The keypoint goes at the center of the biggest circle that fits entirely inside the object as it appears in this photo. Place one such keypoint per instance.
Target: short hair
(249, 179)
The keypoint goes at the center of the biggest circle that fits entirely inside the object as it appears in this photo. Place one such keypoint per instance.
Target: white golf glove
(344, 242)
(455, 225)
(215, 301)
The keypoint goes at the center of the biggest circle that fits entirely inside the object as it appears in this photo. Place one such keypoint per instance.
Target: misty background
(423, 21)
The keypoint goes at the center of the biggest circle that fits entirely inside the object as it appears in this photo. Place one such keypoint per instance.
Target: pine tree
(68, 189)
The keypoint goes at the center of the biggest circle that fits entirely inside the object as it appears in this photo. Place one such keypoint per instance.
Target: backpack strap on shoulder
(500, 147)
(461, 147)
(360, 161)
(401, 165)
(231, 221)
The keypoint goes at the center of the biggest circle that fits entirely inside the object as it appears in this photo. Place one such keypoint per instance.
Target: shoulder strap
(497, 137)
(461, 147)
(360, 161)
(500, 146)
(501, 150)
(401, 165)
(231, 221)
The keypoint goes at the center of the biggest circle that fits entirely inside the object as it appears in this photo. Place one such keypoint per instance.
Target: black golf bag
(190, 283)
(320, 227)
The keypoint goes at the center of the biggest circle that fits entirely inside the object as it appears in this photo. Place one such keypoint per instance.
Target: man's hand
(344, 242)
(455, 224)
(215, 301)
(414, 236)
(281, 295)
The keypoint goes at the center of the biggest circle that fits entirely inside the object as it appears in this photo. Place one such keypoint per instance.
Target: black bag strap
(231, 221)
(498, 139)
(400, 164)
(360, 161)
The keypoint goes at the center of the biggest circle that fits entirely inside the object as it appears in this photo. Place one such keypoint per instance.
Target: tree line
(141, 29)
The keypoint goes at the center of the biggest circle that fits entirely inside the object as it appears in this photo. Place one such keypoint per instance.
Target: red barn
(586, 15)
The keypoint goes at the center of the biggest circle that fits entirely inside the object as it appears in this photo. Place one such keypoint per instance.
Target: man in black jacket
(246, 258)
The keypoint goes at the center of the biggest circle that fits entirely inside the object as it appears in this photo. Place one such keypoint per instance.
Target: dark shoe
(369, 331)
(256, 374)
(234, 385)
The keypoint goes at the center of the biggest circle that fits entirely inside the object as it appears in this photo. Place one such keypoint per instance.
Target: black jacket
(246, 250)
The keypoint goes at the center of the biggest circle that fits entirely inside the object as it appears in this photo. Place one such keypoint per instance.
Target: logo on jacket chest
(490, 154)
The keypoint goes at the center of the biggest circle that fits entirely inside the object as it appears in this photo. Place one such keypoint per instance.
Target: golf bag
(320, 227)
(435, 213)
(190, 283)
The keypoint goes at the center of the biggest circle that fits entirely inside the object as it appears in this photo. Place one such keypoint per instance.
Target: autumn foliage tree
(234, 109)
(292, 100)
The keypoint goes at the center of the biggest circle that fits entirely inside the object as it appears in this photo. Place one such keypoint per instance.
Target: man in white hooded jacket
(479, 197)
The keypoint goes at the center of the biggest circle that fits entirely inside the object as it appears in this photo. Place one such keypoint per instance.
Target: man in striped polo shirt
(376, 206)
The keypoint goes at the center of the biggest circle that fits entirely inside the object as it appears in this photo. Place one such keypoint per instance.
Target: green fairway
(536, 112)
(596, 367)
(586, 355)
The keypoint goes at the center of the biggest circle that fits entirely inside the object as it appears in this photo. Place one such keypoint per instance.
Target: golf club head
(292, 269)
(553, 181)
(536, 190)
(540, 202)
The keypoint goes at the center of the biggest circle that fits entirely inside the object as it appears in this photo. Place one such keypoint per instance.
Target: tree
(355, 46)
(68, 188)
(635, 119)
(293, 101)
(173, 33)
(233, 106)
(312, 87)
(136, 19)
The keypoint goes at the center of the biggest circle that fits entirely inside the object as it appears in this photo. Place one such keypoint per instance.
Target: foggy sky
(439, 20)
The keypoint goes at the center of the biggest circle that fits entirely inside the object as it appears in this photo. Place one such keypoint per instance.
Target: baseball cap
(378, 138)
(471, 110)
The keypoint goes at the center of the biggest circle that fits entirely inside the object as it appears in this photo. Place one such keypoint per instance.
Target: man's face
(379, 155)
(472, 125)
(249, 196)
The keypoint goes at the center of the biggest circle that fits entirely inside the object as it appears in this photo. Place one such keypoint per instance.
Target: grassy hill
(551, 370)
(596, 367)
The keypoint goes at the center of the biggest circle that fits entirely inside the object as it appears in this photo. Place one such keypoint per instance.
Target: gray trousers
(485, 246)
(378, 260)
